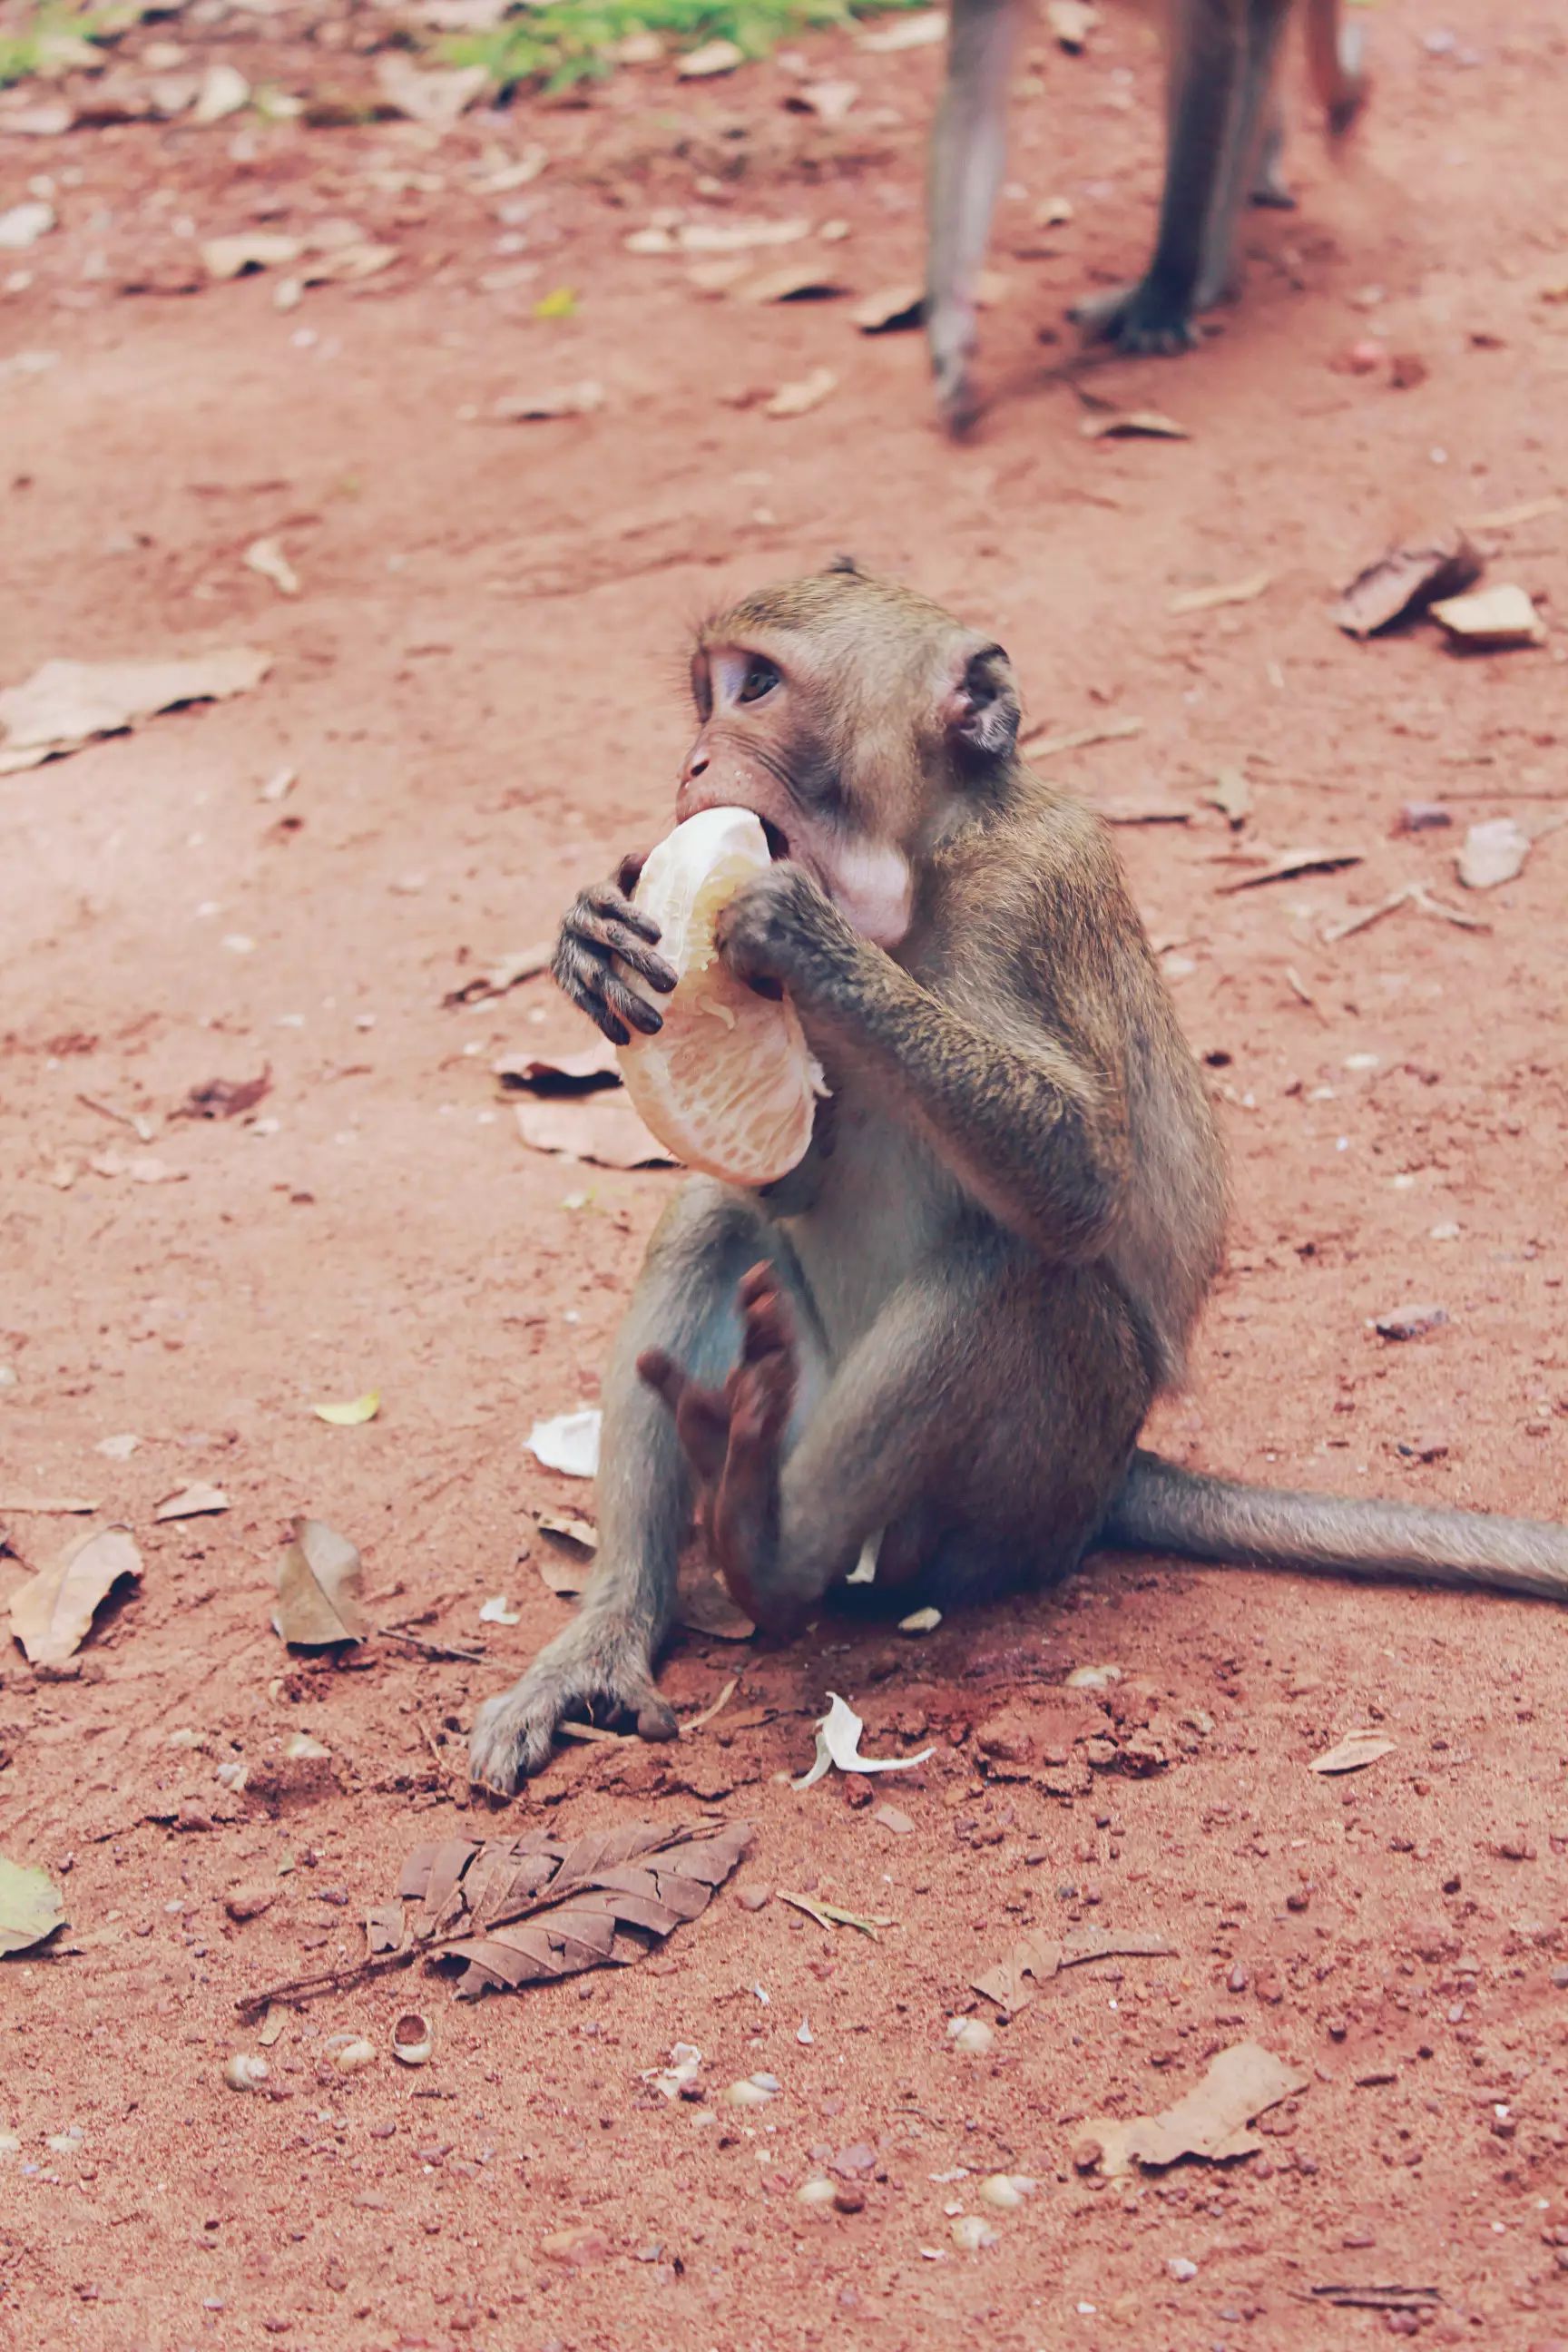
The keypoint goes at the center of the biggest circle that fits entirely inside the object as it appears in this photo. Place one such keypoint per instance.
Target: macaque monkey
(941, 1333)
(1224, 137)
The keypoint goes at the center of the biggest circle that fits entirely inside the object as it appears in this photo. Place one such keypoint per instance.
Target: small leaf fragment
(350, 1415)
(1493, 620)
(1353, 1753)
(319, 1579)
(52, 1612)
(1133, 425)
(267, 557)
(569, 1442)
(1492, 853)
(920, 1620)
(499, 1610)
(1232, 592)
(561, 302)
(798, 399)
(890, 310)
(192, 1503)
(564, 1526)
(1291, 862)
(838, 1743)
(30, 1906)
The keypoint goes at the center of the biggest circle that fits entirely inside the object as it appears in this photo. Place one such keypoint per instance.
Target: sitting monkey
(942, 1331)
(1224, 137)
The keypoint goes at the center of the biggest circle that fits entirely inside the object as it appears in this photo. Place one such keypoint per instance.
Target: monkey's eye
(760, 679)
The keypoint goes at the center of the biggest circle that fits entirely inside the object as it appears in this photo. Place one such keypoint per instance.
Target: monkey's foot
(1353, 84)
(598, 1666)
(1138, 319)
(949, 339)
(733, 1440)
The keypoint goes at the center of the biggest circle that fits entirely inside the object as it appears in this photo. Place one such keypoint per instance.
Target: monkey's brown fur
(945, 1327)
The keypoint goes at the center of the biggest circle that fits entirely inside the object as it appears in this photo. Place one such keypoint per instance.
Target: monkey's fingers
(614, 939)
(608, 900)
(594, 990)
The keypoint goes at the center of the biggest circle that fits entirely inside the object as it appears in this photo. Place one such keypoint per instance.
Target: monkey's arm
(1034, 1133)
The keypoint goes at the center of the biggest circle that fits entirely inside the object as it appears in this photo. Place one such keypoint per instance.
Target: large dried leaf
(606, 1133)
(319, 1589)
(63, 705)
(590, 1071)
(526, 1910)
(1211, 2121)
(1405, 580)
(30, 1906)
(1013, 1981)
(52, 1612)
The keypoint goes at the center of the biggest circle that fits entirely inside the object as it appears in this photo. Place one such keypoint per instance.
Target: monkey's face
(860, 724)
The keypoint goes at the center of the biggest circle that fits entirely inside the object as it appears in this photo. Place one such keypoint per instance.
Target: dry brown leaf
(1491, 621)
(318, 1580)
(794, 281)
(52, 1612)
(524, 963)
(225, 1097)
(800, 398)
(1234, 592)
(712, 57)
(595, 1068)
(237, 256)
(564, 1526)
(1406, 580)
(1133, 425)
(192, 1503)
(890, 310)
(584, 399)
(830, 101)
(1211, 2121)
(566, 1578)
(1354, 1751)
(1013, 1981)
(606, 1131)
(31, 1910)
(47, 1506)
(704, 1606)
(527, 1909)
(435, 97)
(66, 703)
(1291, 862)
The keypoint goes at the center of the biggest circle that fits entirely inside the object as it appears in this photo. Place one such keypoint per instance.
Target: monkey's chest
(882, 1202)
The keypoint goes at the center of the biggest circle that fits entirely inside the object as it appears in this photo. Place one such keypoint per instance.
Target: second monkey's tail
(1160, 1508)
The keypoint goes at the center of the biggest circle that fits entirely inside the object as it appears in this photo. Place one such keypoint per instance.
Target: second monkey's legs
(686, 1300)
(967, 153)
(984, 1422)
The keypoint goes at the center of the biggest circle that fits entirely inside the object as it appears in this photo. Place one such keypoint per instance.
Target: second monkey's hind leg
(984, 1421)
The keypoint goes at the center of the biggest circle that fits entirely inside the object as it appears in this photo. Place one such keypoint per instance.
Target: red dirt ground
(480, 689)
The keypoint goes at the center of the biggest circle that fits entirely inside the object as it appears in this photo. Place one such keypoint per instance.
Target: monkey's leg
(1334, 64)
(1255, 119)
(1206, 66)
(984, 1422)
(1269, 185)
(685, 1301)
(967, 153)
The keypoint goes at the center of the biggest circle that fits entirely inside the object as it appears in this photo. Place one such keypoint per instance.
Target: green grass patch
(553, 45)
(45, 39)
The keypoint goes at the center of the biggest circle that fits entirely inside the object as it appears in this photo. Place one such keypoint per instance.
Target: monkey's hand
(780, 931)
(600, 1656)
(601, 925)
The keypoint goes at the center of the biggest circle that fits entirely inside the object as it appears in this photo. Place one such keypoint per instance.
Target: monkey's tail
(1160, 1508)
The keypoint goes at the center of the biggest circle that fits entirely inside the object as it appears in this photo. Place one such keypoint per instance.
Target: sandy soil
(478, 687)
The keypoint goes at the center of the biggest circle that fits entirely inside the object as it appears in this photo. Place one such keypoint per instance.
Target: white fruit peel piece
(729, 1084)
(838, 1742)
(570, 1442)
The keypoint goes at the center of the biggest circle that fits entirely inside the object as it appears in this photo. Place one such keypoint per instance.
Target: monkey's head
(860, 722)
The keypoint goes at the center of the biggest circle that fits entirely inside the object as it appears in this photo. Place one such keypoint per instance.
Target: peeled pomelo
(728, 1084)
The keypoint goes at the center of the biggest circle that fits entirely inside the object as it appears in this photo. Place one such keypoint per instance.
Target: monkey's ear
(982, 713)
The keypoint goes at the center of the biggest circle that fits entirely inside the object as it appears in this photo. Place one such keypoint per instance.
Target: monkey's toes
(767, 1321)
